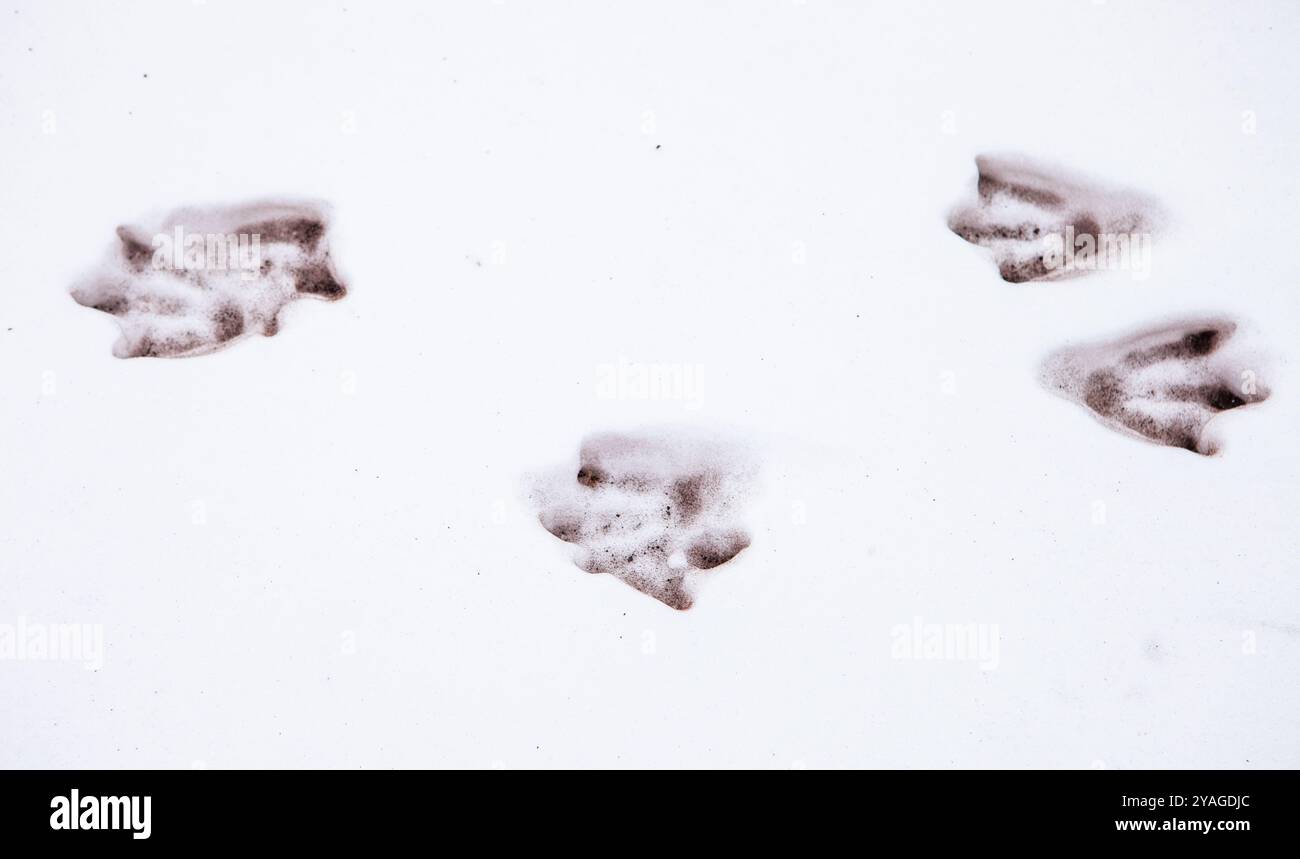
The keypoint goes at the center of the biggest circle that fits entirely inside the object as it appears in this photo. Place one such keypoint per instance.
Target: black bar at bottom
(237, 808)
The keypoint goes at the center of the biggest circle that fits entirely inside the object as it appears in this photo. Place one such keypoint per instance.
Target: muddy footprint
(1042, 224)
(208, 276)
(654, 510)
(1162, 384)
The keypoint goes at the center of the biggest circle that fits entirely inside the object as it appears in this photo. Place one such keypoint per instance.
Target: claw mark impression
(1163, 384)
(1043, 224)
(650, 509)
(211, 275)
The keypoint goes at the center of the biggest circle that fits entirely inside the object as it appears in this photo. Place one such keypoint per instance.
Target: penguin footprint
(1163, 385)
(653, 510)
(1043, 224)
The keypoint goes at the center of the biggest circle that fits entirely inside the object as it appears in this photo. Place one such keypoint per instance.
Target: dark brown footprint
(1163, 384)
(653, 510)
(208, 276)
(1042, 223)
